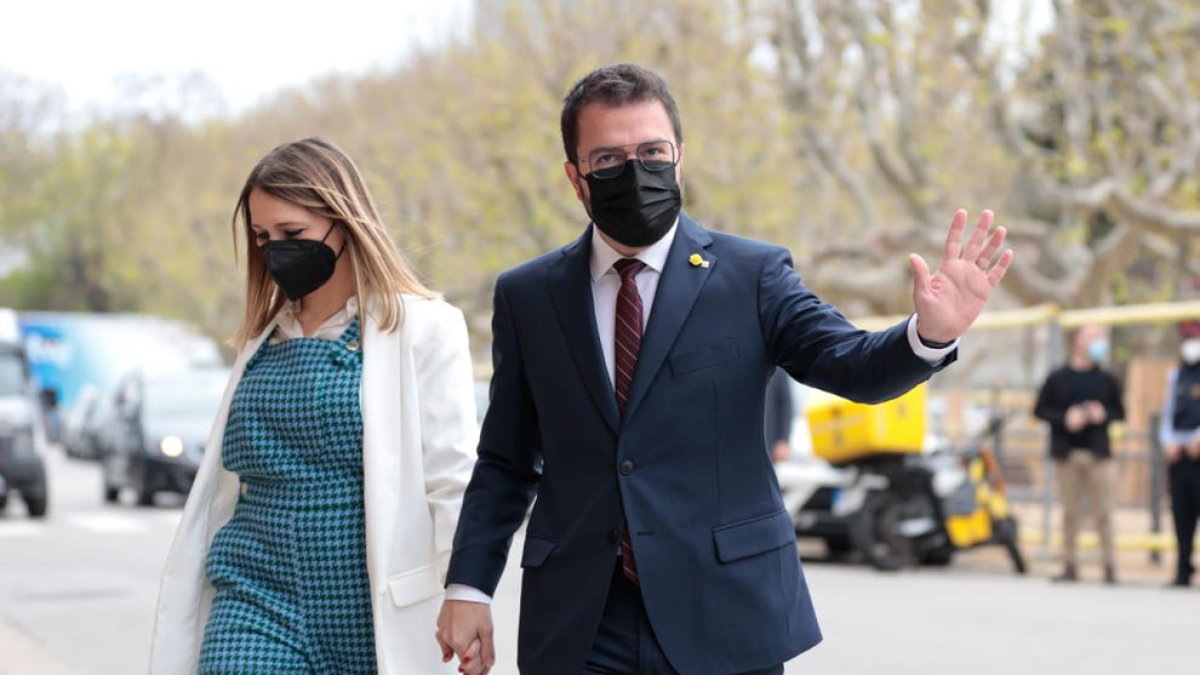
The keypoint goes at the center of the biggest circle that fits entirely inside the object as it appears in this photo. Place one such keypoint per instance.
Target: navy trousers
(625, 642)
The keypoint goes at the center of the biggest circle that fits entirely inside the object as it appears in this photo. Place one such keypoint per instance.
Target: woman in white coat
(317, 533)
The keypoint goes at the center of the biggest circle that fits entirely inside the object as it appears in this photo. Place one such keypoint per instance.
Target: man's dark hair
(615, 86)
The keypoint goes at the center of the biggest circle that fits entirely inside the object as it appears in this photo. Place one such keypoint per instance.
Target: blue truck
(71, 353)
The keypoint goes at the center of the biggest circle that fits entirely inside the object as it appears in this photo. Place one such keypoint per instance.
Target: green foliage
(131, 212)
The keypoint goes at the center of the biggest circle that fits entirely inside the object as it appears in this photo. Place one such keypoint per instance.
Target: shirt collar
(604, 256)
(349, 309)
(289, 325)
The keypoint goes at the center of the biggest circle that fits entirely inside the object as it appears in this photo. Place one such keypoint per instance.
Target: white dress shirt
(332, 328)
(1167, 433)
(606, 283)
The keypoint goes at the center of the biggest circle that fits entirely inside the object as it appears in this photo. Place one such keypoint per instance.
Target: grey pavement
(77, 595)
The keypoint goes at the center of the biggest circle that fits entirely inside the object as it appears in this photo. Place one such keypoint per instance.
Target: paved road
(81, 584)
(77, 594)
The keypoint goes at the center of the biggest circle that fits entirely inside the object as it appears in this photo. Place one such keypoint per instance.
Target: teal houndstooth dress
(289, 569)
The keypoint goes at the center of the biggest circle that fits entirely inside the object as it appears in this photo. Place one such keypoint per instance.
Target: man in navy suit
(627, 396)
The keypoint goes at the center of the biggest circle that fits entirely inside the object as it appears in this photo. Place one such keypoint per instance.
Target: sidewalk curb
(20, 654)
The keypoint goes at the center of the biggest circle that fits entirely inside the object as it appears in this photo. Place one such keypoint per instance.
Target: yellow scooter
(905, 506)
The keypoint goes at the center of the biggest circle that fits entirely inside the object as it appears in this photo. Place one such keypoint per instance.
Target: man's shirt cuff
(930, 355)
(467, 594)
(1181, 437)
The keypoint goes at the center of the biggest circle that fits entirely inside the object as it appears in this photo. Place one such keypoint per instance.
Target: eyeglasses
(654, 156)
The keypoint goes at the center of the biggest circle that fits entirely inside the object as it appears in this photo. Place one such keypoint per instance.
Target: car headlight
(171, 446)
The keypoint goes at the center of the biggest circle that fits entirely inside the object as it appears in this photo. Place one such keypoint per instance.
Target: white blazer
(419, 437)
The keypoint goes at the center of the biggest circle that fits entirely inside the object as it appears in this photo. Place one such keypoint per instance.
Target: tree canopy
(846, 130)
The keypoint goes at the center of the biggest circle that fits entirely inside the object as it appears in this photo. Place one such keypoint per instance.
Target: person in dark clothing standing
(1179, 433)
(1079, 400)
(777, 420)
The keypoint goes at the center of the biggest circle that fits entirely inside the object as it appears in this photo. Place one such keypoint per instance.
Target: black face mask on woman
(300, 266)
(637, 207)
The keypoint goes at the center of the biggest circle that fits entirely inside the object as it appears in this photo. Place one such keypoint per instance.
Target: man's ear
(576, 180)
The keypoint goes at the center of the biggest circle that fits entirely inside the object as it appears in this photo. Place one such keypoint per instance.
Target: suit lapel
(571, 292)
(678, 288)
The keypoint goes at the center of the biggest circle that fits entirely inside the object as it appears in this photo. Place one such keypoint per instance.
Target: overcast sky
(247, 48)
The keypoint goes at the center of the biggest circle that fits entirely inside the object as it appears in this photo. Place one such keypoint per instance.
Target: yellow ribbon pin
(697, 261)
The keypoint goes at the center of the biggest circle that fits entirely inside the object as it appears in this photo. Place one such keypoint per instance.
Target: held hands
(1083, 414)
(1077, 418)
(948, 301)
(464, 629)
(1193, 448)
(1096, 414)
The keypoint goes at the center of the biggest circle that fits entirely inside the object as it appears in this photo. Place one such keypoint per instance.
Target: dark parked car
(73, 440)
(89, 426)
(161, 425)
(22, 438)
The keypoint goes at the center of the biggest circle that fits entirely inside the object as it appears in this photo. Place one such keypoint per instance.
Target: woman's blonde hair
(317, 175)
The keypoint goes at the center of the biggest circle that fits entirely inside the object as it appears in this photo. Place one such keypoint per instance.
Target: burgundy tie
(628, 342)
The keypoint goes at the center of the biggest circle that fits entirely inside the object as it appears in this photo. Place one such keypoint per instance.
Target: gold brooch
(698, 261)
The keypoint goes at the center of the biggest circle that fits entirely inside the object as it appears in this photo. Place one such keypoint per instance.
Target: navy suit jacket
(685, 466)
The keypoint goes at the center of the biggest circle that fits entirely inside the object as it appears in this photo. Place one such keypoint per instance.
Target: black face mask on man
(637, 207)
(300, 266)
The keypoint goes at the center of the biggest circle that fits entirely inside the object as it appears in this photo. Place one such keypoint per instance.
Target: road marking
(21, 528)
(169, 518)
(100, 522)
(105, 523)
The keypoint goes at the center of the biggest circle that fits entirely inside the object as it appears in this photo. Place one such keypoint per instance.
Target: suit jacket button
(626, 468)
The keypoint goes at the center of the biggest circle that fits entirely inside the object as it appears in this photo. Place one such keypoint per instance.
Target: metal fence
(1140, 467)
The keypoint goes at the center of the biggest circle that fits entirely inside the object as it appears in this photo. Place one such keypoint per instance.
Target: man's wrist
(922, 346)
(933, 344)
(464, 593)
(928, 341)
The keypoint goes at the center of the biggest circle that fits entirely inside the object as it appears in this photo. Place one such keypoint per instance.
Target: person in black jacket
(1179, 433)
(1079, 400)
